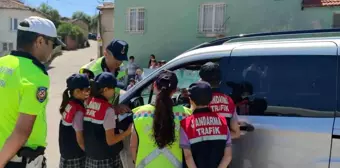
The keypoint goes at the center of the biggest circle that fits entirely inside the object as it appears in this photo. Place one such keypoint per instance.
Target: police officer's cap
(119, 49)
(167, 80)
(77, 81)
(200, 93)
(105, 79)
(41, 26)
(210, 72)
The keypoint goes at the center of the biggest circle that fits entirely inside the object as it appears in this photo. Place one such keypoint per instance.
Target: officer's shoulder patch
(41, 94)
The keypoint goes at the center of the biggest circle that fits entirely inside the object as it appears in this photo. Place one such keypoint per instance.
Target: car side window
(302, 86)
(185, 79)
(186, 74)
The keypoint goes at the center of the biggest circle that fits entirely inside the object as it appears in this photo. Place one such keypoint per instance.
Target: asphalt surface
(62, 67)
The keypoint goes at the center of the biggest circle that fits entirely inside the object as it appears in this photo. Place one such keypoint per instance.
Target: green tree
(94, 23)
(51, 13)
(64, 29)
(75, 32)
(68, 29)
(82, 16)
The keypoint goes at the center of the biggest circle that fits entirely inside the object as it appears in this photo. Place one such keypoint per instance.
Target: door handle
(247, 127)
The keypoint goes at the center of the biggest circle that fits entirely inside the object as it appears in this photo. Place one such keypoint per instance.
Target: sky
(67, 7)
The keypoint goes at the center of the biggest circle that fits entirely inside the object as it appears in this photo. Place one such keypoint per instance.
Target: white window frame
(140, 28)
(213, 32)
(13, 25)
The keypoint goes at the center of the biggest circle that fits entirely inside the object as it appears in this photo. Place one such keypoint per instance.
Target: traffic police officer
(157, 127)
(204, 135)
(24, 85)
(221, 103)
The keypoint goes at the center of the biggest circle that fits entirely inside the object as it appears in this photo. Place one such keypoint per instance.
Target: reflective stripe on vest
(205, 126)
(228, 115)
(148, 152)
(222, 104)
(208, 138)
(95, 67)
(154, 154)
(96, 110)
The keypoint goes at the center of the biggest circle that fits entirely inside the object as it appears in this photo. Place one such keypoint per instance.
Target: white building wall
(6, 34)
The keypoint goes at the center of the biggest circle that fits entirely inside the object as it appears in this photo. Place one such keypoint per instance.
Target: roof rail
(226, 39)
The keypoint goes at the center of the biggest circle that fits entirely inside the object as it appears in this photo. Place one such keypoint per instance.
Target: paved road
(60, 69)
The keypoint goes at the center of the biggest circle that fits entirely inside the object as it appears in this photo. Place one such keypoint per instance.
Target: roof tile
(12, 4)
(320, 3)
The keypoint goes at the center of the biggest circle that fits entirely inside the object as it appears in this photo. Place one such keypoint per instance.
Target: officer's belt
(28, 153)
(154, 154)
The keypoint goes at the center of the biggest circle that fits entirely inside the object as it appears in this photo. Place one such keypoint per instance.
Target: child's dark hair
(67, 94)
(95, 91)
(163, 122)
(75, 81)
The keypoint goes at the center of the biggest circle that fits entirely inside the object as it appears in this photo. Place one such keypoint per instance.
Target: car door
(289, 98)
(335, 153)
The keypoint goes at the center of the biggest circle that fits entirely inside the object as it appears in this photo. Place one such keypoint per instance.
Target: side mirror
(136, 102)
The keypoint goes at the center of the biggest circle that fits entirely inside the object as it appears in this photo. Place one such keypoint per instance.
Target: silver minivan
(287, 89)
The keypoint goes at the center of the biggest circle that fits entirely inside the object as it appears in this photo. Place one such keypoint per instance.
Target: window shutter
(127, 25)
(15, 24)
(199, 18)
(11, 23)
(336, 20)
(144, 20)
(140, 19)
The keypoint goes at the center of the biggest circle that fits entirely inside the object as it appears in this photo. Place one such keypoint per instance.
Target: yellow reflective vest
(95, 67)
(149, 155)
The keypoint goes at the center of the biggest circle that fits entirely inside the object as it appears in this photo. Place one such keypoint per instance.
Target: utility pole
(100, 33)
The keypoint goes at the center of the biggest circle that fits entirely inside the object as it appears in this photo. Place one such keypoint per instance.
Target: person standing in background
(131, 84)
(139, 73)
(151, 58)
(132, 67)
(153, 64)
(161, 63)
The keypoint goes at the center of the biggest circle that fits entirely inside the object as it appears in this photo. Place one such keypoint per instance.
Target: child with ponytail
(72, 110)
(103, 141)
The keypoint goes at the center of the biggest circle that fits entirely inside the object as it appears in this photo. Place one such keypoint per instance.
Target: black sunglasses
(54, 40)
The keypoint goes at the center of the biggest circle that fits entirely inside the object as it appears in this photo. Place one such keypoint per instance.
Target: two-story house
(168, 28)
(11, 13)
